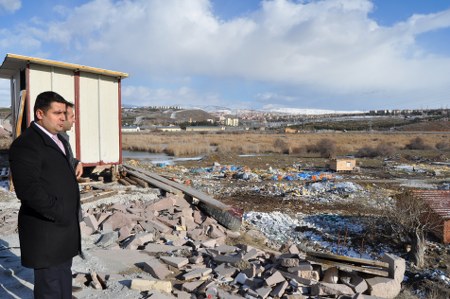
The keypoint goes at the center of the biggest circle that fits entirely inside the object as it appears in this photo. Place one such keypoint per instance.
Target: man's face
(70, 119)
(53, 119)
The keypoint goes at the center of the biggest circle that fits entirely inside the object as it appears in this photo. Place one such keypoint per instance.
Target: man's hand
(79, 170)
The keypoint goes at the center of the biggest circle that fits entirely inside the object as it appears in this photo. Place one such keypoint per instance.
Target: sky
(340, 55)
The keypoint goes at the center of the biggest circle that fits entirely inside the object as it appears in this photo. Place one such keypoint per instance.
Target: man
(68, 124)
(47, 187)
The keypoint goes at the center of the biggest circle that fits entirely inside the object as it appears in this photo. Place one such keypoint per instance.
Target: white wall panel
(109, 119)
(89, 106)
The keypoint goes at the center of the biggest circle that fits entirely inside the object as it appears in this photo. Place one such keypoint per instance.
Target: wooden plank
(139, 181)
(153, 182)
(97, 196)
(348, 267)
(203, 197)
(20, 112)
(335, 257)
(124, 182)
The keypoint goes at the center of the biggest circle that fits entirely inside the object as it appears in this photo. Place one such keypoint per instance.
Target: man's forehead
(58, 106)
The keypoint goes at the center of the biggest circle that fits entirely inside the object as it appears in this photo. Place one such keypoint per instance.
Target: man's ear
(39, 114)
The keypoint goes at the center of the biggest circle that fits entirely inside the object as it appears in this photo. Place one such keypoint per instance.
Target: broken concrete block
(151, 285)
(241, 278)
(199, 217)
(383, 287)
(197, 273)
(91, 221)
(124, 233)
(85, 230)
(225, 270)
(163, 204)
(275, 278)
(263, 292)
(293, 249)
(357, 283)
(196, 259)
(331, 275)
(279, 290)
(221, 249)
(191, 286)
(118, 220)
(323, 288)
(153, 248)
(153, 224)
(108, 239)
(156, 269)
(175, 261)
(289, 262)
(397, 266)
(95, 283)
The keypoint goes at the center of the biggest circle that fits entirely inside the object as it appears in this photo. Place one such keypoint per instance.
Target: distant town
(175, 118)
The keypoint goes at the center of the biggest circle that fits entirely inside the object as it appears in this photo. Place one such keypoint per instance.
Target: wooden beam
(353, 260)
(348, 267)
(203, 197)
(152, 182)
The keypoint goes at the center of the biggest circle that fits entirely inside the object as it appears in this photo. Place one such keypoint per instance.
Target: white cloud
(183, 96)
(328, 47)
(10, 6)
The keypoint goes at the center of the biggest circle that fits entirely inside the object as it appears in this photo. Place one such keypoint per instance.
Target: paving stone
(151, 285)
(118, 220)
(264, 292)
(163, 204)
(156, 269)
(289, 262)
(275, 278)
(331, 275)
(175, 261)
(150, 225)
(324, 288)
(397, 266)
(225, 270)
(197, 273)
(91, 221)
(107, 239)
(191, 286)
(279, 290)
(153, 248)
(383, 287)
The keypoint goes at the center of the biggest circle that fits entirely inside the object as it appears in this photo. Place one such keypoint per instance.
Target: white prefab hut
(96, 93)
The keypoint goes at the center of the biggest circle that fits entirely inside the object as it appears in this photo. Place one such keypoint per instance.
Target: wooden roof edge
(66, 65)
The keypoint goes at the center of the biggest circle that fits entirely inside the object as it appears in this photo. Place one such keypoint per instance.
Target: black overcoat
(45, 183)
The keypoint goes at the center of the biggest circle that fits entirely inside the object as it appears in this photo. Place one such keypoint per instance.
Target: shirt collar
(44, 130)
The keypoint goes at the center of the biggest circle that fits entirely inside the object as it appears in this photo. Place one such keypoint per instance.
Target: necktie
(59, 143)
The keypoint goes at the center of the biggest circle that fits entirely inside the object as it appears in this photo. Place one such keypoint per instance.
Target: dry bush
(281, 146)
(417, 144)
(297, 150)
(325, 147)
(382, 150)
(442, 146)
(187, 149)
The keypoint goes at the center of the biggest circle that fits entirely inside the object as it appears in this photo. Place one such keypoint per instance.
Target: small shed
(96, 93)
(343, 164)
(439, 203)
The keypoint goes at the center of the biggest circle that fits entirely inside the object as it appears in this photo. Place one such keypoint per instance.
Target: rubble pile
(182, 252)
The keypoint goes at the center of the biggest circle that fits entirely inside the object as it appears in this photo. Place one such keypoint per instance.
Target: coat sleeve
(26, 167)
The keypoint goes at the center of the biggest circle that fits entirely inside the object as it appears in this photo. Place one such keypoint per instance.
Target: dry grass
(257, 143)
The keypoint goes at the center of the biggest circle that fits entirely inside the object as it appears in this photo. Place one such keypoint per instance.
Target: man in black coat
(45, 183)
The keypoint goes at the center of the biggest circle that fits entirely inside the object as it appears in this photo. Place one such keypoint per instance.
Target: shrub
(281, 146)
(382, 150)
(417, 144)
(325, 147)
(442, 146)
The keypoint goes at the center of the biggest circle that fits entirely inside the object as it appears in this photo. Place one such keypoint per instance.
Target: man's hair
(45, 99)
(69, 104)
